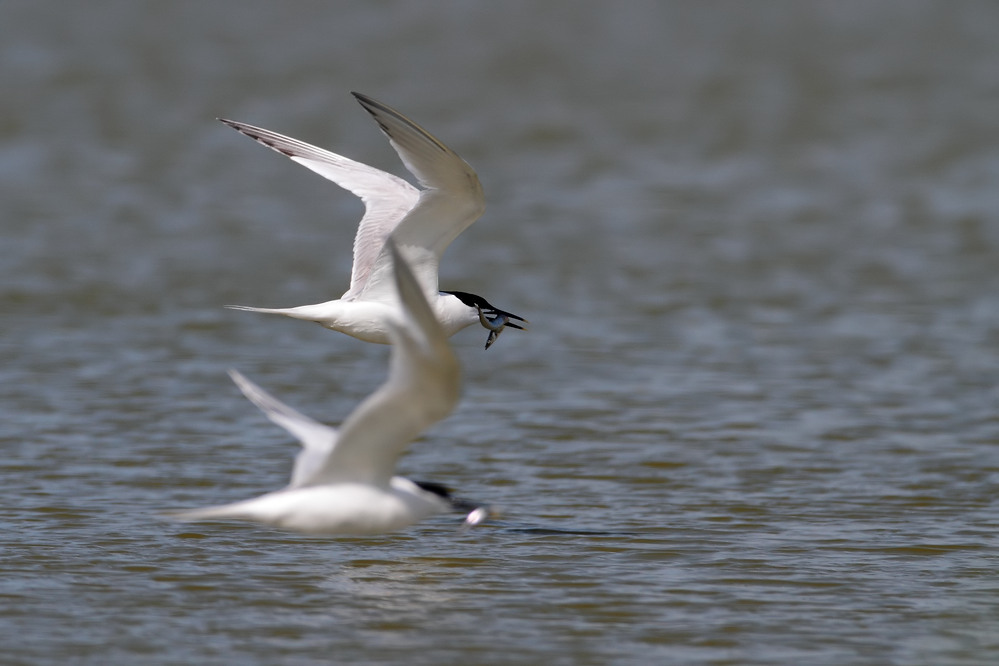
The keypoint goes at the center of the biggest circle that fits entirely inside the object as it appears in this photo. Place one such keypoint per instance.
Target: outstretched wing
(423, 386)
(317, 439)
(450, 202)
(387, 198)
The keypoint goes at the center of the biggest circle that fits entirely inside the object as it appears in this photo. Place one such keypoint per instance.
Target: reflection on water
(755, 419)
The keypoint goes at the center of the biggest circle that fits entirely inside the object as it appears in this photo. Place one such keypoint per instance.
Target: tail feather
(318, 313)
(235, 510)
(247, 308)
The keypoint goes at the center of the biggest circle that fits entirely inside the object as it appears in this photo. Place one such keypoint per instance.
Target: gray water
(756, 420)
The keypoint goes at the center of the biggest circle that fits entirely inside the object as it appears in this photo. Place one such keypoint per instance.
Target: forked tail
(236, 510)
(304, 312)
(247, 308)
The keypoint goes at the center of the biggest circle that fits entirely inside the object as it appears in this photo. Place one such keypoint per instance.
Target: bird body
(365, 319)
(345, 508)
(343, 480)
(422, 222)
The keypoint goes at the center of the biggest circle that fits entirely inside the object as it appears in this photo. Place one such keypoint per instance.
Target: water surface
(755, 420)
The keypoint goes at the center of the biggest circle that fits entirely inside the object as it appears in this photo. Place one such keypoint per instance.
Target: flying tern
(343, 480)
(423, 223)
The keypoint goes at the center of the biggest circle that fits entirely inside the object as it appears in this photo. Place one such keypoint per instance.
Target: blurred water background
(756, 420)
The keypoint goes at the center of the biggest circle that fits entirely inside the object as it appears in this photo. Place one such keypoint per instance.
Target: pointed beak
(496, 324)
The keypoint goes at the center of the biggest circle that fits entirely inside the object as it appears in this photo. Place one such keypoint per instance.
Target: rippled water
(755, 420)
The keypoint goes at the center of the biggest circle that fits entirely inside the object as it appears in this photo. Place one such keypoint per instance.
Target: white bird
(422, 222)
(343, 480)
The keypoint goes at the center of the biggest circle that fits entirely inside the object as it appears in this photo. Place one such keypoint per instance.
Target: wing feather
(387, 198)
(423, 386)
(317, 439)
(451, 201)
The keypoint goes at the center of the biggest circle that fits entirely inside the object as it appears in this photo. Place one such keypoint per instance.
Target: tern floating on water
(422, 222)
(343, 480)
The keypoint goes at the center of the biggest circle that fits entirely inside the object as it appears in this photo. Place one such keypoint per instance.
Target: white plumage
(422, 222)
(343, 480)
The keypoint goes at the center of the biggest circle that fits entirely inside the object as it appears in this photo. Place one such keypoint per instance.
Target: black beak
(495, 321)
(491, 318)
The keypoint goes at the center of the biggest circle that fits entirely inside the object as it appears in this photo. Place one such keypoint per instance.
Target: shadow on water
(538, 530)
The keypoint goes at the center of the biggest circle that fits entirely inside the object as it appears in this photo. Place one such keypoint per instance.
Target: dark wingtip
(373, 106)
(365, 101)
(233, 124)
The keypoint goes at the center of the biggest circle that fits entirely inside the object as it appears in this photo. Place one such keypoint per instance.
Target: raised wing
(317, 439)
(423, 386)
(451, 201)
(387, 198)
